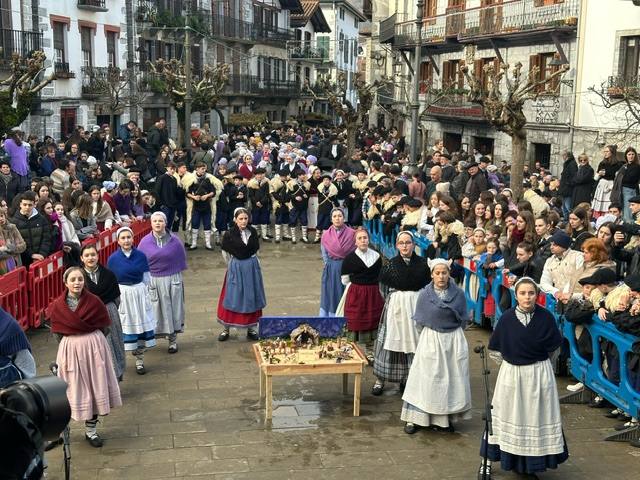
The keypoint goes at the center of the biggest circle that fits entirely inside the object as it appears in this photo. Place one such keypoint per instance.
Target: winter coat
(582, 185)
(567, 177)
(36, 232)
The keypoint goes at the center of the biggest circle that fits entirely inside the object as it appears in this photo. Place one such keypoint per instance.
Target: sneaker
(94, 440)
(173, 348)
(624, 426)
(410, 428)
(597, 402)
(224, 336)
(252, 335)
(576, 387)
(140, 370)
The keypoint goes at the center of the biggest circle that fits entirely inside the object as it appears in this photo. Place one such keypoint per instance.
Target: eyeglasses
(404, 244)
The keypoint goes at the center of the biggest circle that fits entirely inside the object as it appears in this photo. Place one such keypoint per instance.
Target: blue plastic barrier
(623, 396)
(476, 307)
(328, 327)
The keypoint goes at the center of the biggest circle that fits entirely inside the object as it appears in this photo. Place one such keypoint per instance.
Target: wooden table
(317, 367)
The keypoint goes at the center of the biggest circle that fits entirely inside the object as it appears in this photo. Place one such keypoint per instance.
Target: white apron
(401, 334)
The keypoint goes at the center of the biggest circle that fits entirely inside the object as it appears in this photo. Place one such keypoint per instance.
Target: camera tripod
(485, 472)
(65, 439)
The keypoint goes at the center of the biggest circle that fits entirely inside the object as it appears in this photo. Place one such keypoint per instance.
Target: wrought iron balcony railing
(17, 42)
(98, 81)
(93, 5)
(620, 86)
(271, 34)
(508, 17)
(301, 50)
(227, 27)
(253, 85)
(62, 70)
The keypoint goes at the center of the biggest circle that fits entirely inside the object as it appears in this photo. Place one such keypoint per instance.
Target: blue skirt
(332, 288)
(522, 464)
(244, 288)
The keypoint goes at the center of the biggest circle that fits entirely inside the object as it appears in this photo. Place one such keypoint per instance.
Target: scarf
(517, 236)
(166, 260)
(5, 178)
(12, 338)
(233, 243)
(91, 315)
(443, 312)
(339, 243)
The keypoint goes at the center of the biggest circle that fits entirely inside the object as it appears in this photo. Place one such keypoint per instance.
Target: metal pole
(187, 78)
(415, 105)
(131, 65)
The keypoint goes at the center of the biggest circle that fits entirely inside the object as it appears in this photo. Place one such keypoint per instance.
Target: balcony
(17, 42)
(385, 95)
(455, 106)
(93, 5)
(232, 28)
(254, 86)
(61, 69)
(519, 21)
(272, 35)
(97, 81)
(623, 86)
(304, 51)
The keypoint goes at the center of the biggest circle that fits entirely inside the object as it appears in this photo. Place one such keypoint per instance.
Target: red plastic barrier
(140, 229)
(14, 295)
(44, 285)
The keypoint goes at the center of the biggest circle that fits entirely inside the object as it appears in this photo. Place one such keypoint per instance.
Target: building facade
(535, 33)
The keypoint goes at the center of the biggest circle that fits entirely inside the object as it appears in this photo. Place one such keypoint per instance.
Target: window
(426, 76)
(345, 52)
(629, 57)
(220, 53)
(341, 13)
(167, 51)
(356, 22)
(112, 56)
(85, 44)
(541, 61)
(323, 45)
(58, 42)
(430, 7)
(478, 69)
(452, 77)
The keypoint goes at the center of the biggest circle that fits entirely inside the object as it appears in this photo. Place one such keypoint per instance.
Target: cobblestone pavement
(196, 413)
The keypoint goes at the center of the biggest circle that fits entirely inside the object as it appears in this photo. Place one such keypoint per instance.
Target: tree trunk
(352, 131)
(518, 156)
(180, 136)
(223, 124)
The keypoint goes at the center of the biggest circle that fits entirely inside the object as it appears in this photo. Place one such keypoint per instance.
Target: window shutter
(457, 66)
(446, 75)
(538, 3)
(535, 62)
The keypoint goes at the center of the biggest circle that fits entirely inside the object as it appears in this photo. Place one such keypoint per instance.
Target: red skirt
(363, 307)
(229, 318)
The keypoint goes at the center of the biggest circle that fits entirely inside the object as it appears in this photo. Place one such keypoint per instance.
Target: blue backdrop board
(282, 326)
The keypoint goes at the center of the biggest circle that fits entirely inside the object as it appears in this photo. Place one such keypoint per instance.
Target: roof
(348, 5)
(311, 12)
(292, 5)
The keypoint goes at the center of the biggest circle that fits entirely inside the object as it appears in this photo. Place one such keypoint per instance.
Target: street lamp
(415, 106)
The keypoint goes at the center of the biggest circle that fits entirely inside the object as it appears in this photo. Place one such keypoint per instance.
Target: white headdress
(439, 261)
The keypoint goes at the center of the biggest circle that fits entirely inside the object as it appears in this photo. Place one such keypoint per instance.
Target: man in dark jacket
(9, 182)
(34, 228)
(567, 177)
(477, 182)
(170, 195)
(158, 136)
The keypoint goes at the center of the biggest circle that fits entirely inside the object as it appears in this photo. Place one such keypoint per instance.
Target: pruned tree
(353, 116)
(206, 88)
(20, 88)
(503, 94)
(621, 96)
(110, 86)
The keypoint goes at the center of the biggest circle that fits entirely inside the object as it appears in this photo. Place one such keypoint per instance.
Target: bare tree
(621, 97)
(20, 88)
(353, 116)
(206, 88)
(504, 109)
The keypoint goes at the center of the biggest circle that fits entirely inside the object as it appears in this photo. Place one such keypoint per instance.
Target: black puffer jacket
(36, 232)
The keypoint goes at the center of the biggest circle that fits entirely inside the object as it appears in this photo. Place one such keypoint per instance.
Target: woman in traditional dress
(131, 268)
(167, 260)
(362, 303)
(527, 426)
(84, 359)
(401, 279)
(16, 360)
(336, 243)
(605, 175)
(438, 392)
(242, 297)
(103, 284)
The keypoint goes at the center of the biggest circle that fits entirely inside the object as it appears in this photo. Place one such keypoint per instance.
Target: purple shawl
(164, 261)
(339, 243)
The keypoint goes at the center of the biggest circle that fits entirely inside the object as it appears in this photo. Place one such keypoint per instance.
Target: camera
(32, 411)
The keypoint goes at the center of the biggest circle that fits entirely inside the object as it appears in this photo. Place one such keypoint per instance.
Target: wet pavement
(197, 413)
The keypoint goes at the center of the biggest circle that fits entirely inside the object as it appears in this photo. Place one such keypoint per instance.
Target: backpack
(9, 373)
